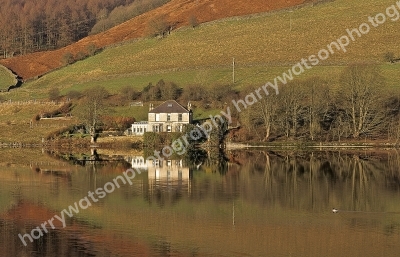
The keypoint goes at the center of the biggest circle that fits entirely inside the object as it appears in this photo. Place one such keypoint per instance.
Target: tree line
(92, 103)
(38, 25)
(214, 97)
(360, 106)
(357, 106)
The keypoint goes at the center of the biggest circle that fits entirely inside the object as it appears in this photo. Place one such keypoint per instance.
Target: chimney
(189, 106)
(151, 107)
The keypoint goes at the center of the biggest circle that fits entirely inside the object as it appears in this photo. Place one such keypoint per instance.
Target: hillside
(29, 26)
(6, 78)
(265, 48)
(176, 12)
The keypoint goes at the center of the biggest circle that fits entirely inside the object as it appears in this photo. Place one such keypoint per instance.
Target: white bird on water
(334, 210)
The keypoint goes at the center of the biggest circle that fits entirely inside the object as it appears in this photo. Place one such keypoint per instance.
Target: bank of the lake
(361, 144)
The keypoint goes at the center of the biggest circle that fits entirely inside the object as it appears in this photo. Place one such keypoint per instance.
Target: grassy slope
(177, 12)
(15, 122)
(263, 46)
(6, 78)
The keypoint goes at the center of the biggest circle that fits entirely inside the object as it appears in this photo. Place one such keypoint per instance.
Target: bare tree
(68, 58)
(317, 95)
(361, 99)
(268, 110)
(158, 27)
(92, 108)
(170, 91)
(193, 21)
(292, 105)
(250, 121)
(129, 93)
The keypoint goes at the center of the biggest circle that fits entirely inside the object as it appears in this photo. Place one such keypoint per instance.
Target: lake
(245, 203)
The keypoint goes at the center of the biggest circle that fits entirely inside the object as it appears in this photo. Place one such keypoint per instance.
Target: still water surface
(251, 203)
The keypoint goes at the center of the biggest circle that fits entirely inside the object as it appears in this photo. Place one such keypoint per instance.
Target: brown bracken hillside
(176, 12)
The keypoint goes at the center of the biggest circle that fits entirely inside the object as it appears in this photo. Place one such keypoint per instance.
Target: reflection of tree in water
(90, 159)
(316, 180)
(393, 176)
(359, 184)
(217, 160)
(213, 157)
(165, 197)
(162, 247)
(195, 157)
(169, 192)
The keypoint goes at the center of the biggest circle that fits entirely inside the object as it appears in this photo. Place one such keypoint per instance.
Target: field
(263, 46)
(16, 126)
(6, 78)
(177, 13)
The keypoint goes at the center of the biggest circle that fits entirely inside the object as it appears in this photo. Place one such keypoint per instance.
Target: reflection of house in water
(163, 173)
(167, 170)
(168, 180)
(138, 162)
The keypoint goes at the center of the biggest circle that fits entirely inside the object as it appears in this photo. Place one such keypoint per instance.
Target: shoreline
(125, 143)
(310, 145)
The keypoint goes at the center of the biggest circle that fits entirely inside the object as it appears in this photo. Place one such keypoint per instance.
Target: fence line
(27, 102)
(48, 125)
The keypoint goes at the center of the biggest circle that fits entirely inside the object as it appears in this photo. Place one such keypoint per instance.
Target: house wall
(139, 129)
(186, 117)
(173, 122)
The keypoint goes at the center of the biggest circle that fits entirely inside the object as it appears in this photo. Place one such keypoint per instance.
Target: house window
(168, 117)
(169, 128)
(179, 128)
(157, 117)
(180, 117)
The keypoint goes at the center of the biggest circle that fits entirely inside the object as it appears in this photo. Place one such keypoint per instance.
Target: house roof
(170, 106)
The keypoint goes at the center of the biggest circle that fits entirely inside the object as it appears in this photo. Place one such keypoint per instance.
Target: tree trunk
(92, 139)
(93, 136)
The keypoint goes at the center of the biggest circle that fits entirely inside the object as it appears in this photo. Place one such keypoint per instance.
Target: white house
(169, 116)
(139, 128)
